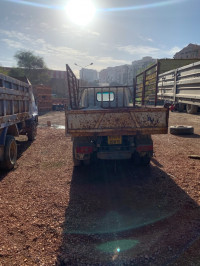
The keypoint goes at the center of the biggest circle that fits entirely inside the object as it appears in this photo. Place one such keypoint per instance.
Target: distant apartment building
(89, 75)
(139, 65)
(124, 75)
(118, 75)
(192, 51)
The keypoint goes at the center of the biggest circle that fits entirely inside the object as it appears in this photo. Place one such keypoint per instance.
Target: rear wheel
(86, 162)
(141, 160)
(191, 109)
(10, 153)
(75, 161)
(180, 107)
(32, 131)
(145, 160)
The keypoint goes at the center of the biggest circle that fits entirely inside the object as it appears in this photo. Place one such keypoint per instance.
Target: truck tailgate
(123, 121)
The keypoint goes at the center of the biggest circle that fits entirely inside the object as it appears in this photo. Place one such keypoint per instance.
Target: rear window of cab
(105, 96)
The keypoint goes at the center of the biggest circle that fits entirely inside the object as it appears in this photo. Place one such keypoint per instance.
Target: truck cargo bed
(121, 121)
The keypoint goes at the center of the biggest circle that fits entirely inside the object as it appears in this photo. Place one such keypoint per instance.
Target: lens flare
(80, 12)
(122, 245)
(138, 7)
(89, 9)
(34, 4)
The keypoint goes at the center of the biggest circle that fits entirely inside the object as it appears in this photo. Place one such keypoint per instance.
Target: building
(124, 74)
(192, 51)
(139, 65)
(88, 75)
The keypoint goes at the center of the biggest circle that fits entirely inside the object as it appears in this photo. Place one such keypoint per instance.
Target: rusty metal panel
(129, 121)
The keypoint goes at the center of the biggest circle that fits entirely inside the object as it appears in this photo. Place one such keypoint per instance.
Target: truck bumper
(116, 155)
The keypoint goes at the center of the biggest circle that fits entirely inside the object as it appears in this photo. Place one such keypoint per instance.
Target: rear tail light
(84, 149)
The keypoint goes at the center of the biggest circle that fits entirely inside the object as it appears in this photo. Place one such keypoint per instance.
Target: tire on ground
(191, 109)
(10, 153)
(181, 107)
(145, 160)
(86, 162)
(75, 161)
(32, 131)
(181, 130)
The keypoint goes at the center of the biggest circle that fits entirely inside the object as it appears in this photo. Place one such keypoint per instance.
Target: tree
(29, 61)
(31, 66)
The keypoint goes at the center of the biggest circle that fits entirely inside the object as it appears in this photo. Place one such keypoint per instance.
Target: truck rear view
(112, 122)
(18, 115)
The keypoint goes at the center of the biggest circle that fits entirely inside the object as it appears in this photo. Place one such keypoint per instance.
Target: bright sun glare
(80, 12)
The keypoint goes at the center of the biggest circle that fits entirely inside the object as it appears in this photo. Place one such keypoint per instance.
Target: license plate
(113, 140)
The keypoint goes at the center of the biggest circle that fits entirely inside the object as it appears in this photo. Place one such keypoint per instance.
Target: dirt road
(105, 214)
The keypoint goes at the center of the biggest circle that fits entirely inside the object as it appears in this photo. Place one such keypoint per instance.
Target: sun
(80, 12)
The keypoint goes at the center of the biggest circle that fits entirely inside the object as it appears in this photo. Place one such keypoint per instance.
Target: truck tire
(10, 153)
(75, 161)
(145, 160)
(191, 109)
(181, 130)
(180, 107)
(86, 162)
(32, 131)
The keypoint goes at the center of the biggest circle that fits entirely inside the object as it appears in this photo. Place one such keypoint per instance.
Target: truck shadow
(193, 136)
(131, 216)
(22, 146)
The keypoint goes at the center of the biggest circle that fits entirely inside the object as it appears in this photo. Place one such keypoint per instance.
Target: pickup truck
(18, 115)
(107, 123)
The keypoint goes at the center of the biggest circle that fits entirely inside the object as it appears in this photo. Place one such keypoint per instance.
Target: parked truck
(176, 82)
(111, 123)
(18, 115)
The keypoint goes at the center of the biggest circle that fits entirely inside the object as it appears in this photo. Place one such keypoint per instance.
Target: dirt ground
(104, 214)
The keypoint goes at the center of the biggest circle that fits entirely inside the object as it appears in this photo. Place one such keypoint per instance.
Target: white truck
(176, 82)
(18, 115)
(181, 87)
(107, 123)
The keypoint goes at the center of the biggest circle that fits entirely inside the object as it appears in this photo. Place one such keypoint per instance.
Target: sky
(119, 32)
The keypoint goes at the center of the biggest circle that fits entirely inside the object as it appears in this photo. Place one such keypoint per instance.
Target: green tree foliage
(29, 61)
(31, 66)
(16, 72)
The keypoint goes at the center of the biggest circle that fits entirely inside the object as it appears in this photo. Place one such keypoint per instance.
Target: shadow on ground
(22, 146)
(192, 136)
(127, 216)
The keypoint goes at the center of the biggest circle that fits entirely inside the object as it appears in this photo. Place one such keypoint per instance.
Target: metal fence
(143, 91)
(146, 87)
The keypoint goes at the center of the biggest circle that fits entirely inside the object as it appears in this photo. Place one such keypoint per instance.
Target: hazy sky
(119, 33)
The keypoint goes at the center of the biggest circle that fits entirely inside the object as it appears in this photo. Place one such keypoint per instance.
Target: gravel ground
(105, 214)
